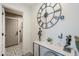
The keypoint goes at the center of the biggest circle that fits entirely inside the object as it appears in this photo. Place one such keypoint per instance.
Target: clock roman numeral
(45, 25)
(50, 4)
(41, 9)
(54, 5)
(42, 24)
(39, 21)
(39, 12)
(51, 22)
(45, 5)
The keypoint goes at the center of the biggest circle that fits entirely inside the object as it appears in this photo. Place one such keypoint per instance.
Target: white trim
(3, 31)
(13, 10)
(10, 17)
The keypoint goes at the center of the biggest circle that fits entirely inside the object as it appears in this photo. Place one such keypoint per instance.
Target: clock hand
(57, 10)
(50, 13)
(54, 11)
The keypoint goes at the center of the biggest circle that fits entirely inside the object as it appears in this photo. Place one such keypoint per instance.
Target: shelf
(54, 47)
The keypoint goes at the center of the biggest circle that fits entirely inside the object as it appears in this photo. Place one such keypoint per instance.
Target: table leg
(39, 50)
(33, 48)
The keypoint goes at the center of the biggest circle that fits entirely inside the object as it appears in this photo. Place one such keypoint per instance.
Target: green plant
(49, 39)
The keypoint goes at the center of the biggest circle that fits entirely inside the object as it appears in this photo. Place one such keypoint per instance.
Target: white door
(0, 29)
(11, 30)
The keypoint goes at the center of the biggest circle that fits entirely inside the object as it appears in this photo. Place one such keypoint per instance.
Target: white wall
(70, 24)
(0, 29)
(27, 45)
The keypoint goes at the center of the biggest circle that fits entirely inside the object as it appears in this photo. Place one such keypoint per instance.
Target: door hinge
(2, 13)
(2, 34)
(2, 54)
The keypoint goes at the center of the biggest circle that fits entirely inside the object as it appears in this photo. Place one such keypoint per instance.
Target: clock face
(48, 15)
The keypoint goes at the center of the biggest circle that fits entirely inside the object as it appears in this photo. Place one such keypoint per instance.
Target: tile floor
(15, 50)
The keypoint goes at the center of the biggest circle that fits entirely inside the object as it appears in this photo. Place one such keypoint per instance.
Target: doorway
(13, 32)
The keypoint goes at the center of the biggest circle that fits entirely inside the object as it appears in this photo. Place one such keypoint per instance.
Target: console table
(58, 49)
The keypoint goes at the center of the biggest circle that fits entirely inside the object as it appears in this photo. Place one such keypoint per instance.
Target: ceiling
(19, 13)
(30, 4)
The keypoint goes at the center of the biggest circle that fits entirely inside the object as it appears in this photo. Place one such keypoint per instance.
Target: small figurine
(68, 41)
(40, 34)
(60, 36)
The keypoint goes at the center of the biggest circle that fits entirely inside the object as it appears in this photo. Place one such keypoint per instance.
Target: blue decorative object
(60, 36)
(62, 17)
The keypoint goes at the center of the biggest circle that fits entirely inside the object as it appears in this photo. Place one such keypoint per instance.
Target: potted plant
(49, 40)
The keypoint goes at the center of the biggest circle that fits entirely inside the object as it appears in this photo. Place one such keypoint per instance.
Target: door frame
(3, 31)
(3, 27)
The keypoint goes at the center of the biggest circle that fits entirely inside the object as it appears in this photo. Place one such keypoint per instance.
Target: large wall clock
(49, 14)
